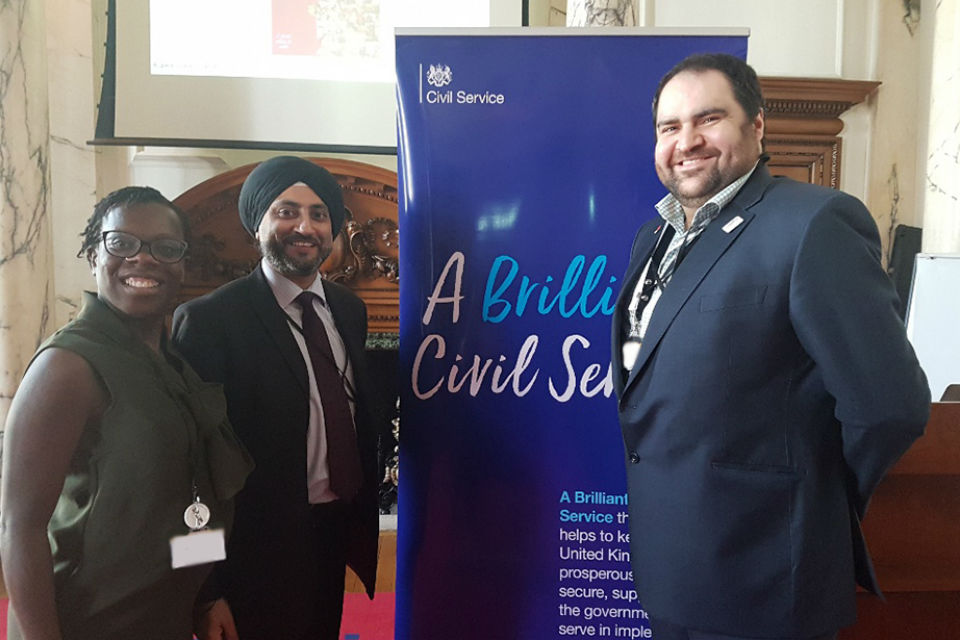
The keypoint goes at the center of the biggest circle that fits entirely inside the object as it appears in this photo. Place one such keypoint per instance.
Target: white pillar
(941, 179)
(26, 290)
(602, 13)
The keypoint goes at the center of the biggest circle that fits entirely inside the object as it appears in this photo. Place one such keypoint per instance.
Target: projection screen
(262, 73)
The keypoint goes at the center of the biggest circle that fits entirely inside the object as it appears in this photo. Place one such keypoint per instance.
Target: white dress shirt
(286, 292)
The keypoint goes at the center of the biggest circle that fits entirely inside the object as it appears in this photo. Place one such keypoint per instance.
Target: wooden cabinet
(913, 531)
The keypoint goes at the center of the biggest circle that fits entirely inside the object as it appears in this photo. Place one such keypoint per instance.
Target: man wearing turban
(288, 347)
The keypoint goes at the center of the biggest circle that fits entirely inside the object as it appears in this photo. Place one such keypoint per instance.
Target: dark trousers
(330, 527)
(665, 631)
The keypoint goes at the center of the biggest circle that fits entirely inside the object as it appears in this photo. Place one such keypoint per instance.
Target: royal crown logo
(439, 75)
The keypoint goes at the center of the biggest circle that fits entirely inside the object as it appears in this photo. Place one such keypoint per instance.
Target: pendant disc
(196, 516)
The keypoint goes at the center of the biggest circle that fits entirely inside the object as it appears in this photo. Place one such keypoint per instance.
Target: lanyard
(347, 385)
(652, 277)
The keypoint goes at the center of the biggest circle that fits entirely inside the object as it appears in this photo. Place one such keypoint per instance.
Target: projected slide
(317, 74)
(294, 39)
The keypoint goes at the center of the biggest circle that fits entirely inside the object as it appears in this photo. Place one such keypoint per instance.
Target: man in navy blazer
(764, 379)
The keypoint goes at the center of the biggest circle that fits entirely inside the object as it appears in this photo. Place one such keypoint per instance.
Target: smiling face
(139, 286)
(705, 141)
(296, 235)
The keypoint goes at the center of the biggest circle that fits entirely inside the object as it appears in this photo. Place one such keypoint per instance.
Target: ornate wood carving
(803, 123)
(365, 255)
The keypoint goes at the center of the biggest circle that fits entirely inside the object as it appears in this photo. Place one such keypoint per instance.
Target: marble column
(941, 208)
(73, 163)
(26, 289)
(601, 13)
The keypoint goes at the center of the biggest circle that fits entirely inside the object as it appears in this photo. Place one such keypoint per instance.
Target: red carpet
(363, 619)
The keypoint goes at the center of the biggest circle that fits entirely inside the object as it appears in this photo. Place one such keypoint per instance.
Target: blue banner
(526, 166)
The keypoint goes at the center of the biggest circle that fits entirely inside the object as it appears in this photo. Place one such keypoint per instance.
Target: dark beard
(272, 250)
(710, 189)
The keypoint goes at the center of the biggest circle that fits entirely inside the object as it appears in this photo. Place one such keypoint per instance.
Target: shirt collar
(671, 210)
(286, 291)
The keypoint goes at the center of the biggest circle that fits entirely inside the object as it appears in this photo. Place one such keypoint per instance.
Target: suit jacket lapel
(276, 326)
(712, 244)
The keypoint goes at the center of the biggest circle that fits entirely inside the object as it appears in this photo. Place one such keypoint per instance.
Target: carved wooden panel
(803, 124)
(365, 254)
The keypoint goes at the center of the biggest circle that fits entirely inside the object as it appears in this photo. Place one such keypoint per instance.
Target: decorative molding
(805, 108)
(378, 190)
(374, 251)
(792, 96)
(803, 125)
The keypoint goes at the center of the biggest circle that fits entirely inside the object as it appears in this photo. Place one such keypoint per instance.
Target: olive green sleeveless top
(129, 482)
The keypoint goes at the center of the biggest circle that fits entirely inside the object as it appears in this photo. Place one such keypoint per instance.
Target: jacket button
(634, 458)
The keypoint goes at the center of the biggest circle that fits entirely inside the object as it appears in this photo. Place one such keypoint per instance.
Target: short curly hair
(125, 197)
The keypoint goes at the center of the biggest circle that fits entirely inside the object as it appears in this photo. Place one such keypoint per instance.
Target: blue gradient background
(563, 168)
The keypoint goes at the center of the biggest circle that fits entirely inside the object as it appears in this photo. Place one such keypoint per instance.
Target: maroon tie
(343, 456)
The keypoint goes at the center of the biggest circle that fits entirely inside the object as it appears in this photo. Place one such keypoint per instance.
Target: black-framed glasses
(126, 245)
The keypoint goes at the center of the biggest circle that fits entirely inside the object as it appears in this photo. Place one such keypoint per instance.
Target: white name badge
(629, 352)
(733, 224)
(199, 547)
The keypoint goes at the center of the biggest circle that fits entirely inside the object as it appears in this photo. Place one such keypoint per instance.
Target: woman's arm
(59, 395)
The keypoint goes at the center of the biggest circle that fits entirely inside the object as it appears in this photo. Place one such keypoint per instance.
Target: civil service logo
(439, 75)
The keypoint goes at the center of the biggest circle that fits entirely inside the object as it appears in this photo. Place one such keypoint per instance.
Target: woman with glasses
(119, 464)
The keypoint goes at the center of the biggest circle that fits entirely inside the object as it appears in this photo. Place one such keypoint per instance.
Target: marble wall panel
(25, 255)
(941, 174)
(602, 13)
(73, 170)
(897, 125)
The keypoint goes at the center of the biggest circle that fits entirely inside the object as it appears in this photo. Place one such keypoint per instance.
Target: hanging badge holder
(201, 545)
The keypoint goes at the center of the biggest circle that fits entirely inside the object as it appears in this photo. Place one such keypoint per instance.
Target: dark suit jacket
(774, 388)
(239, 336)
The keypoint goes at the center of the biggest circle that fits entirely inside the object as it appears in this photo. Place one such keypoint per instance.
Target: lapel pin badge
(733, 224)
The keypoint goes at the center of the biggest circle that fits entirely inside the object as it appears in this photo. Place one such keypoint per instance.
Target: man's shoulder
(787, 188)
(234, 296)
(225, 293)
(799, 203)
(791, 212)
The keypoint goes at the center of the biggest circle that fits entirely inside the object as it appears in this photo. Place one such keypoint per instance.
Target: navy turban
(276, 175)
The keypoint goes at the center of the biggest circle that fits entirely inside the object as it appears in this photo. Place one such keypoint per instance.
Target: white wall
(809, 47)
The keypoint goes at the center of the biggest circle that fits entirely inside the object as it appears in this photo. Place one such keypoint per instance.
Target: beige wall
(892, 187)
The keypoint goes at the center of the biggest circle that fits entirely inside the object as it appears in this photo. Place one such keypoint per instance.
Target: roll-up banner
(526, 166)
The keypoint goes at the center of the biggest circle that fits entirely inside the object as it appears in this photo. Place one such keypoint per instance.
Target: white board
(933, 318)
